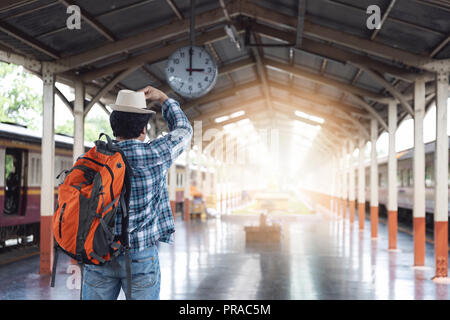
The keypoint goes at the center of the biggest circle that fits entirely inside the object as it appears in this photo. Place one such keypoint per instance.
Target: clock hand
(194, 70)
(190, 61)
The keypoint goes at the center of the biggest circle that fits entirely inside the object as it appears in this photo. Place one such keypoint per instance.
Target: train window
(410, 177)
(429, 176)
(13, 181)
(405, 178)
(399, 178)
(381, 180)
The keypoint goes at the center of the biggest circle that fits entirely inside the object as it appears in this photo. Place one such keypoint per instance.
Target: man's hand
(154, 94)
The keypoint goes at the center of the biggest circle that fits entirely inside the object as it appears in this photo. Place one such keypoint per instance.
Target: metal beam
(91, 20)
(255, 11)
(154, 36)
(322, 80)
(216, 96)
(108, 87)
(370, 109)
(28, 63)
(300, 22)
(385, 15)
(23, 37)
(439, 46)
(389, 87)
(175, 9)
(337, 54)
(319, 99)
(152, 56)
(262, 72)
(63, 98)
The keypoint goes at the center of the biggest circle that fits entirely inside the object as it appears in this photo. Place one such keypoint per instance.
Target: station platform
(319, 257)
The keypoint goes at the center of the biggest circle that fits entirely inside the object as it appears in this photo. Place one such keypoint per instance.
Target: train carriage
(20, 180)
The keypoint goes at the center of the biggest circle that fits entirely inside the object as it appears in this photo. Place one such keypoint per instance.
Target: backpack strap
(55, 262)
(125, 243)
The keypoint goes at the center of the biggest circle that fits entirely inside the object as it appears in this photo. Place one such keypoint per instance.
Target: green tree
(92, 128)
(20, 101)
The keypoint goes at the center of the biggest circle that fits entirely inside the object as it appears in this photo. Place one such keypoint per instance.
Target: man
(150, 216)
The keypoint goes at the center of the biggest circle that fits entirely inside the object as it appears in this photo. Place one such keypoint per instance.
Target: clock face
(191, 72)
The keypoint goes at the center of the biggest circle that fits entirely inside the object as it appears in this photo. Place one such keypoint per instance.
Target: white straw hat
(131, 101)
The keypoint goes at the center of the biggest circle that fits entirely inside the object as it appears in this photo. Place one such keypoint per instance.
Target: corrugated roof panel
(276, 52)
(367, 82)
(137, 80)
(227, 51)
(41, 21)
(21, 47)
(344, 71)
(396, 35)
(99, 7)
(417, 12)
(329, 14)
(278, 76)
(244, 75)
(303, 83)
(158, 69)
(74, 41)
(279, 93)
(305, 59)
(137, 19)
(4, 14)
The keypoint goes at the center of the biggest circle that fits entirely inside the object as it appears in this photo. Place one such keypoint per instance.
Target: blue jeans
(104, 282)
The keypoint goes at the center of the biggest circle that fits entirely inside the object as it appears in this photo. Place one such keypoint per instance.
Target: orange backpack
(84, 221)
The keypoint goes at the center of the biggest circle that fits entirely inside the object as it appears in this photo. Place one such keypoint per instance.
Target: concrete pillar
(392, 176)
(338, 185)
(333, 185)
(441, 177)
(419, 174)
(344, 180)
(361, 185)
(341, 186)
(351, 184)
(48, 171)
(187, 187)
(173, 188)
(223, 190)
(374, 179)
(152, 130)
(78, 115)
(207, 184)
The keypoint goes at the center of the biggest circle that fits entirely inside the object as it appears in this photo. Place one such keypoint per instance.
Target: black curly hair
(127, 125)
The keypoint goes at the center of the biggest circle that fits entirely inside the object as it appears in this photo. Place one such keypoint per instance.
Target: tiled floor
(319, 258)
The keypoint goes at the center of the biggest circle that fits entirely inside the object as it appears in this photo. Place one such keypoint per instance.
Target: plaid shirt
(150, 216)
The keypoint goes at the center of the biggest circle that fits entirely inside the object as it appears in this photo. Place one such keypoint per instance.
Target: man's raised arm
(170, 146)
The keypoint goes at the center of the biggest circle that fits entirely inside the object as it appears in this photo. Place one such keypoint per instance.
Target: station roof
(326, 63)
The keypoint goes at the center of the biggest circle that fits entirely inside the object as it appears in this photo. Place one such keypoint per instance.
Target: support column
(361, 185)
(345, 181)
(173, 188)
(333, 185)
(392, 177)
(351, 177)
(78, 115)
(374, 179)
(199, 178)
(187, 187)
(341, 186)
(441, 177)
(419, 174)
(48, 171)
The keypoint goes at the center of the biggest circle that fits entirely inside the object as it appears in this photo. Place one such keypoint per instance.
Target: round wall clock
(191, 72)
